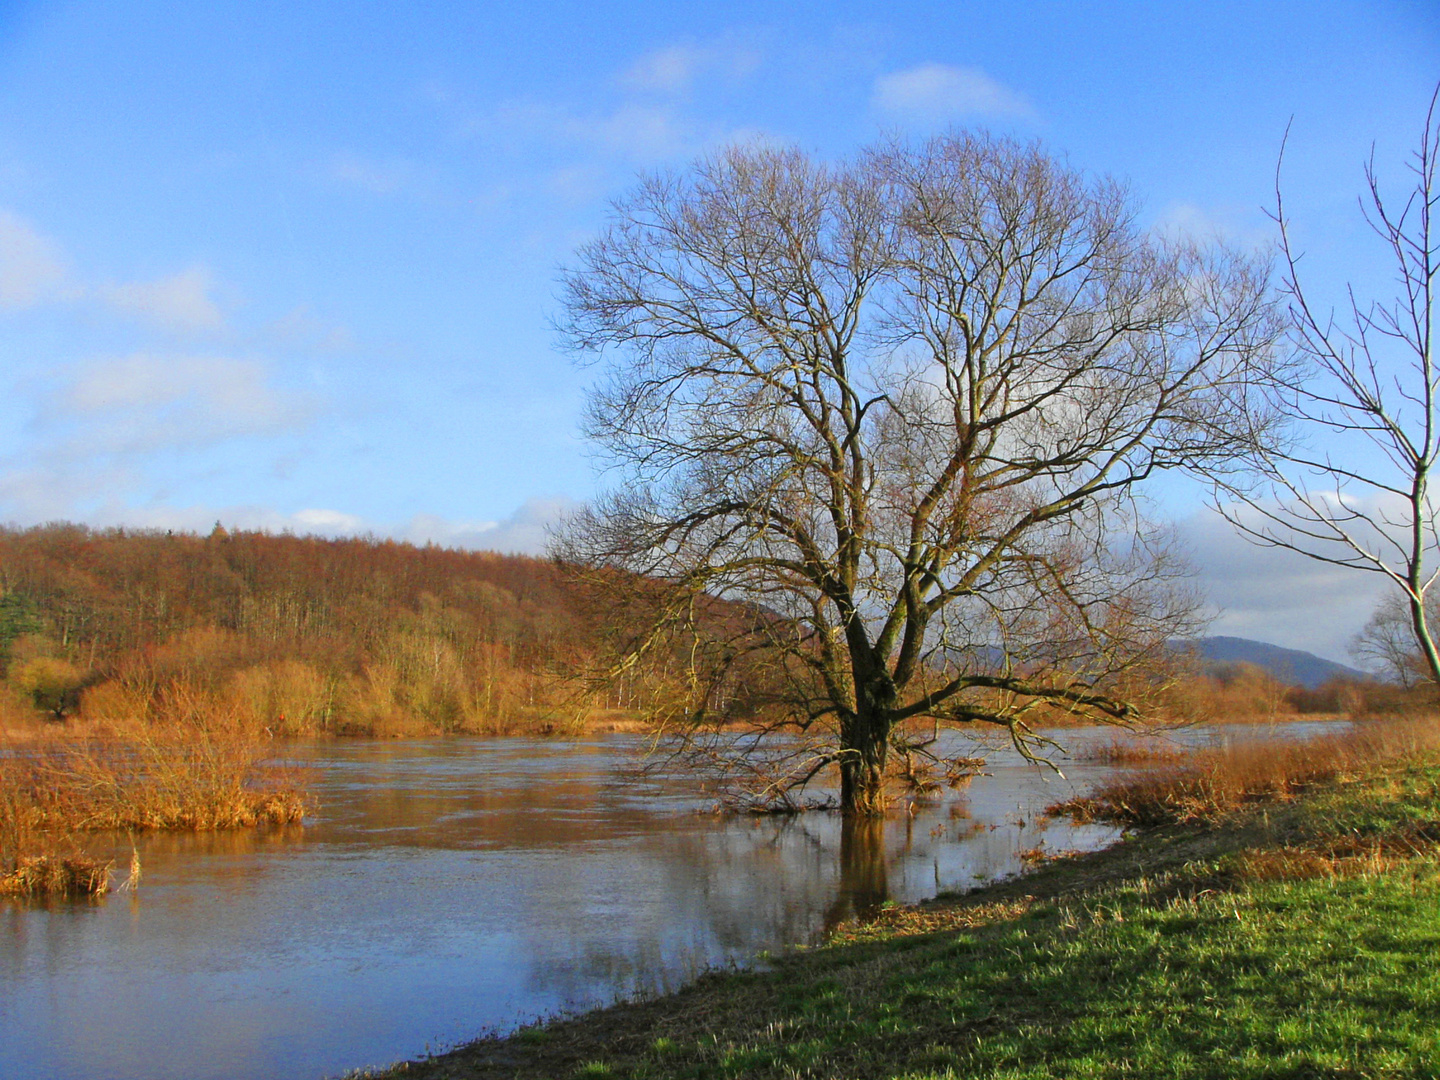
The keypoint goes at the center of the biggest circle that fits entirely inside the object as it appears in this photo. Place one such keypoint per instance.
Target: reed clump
(56, 876)
(67, 782)
(149, 779)
(1209, 783)
(1138, 751)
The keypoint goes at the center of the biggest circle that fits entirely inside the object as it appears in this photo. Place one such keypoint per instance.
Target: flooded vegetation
(446, 887)
(58, 784)
(1206, 783)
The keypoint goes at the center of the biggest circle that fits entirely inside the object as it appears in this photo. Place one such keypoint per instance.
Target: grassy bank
(58, 784)
(1291, 932)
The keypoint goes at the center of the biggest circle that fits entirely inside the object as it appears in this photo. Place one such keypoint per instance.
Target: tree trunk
(862, 778)
(864, 742)
(1420, 623)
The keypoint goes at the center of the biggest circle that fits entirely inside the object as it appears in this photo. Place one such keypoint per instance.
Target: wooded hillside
(302, 635)
(295, 634)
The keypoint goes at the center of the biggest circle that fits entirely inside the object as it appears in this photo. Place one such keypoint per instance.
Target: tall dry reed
(1214, 781)
(128, 776)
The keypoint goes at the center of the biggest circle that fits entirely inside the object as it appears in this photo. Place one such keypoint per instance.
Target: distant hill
(298, 635)
(1291, 666)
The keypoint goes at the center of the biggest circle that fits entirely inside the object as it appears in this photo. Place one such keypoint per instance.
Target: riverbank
(1293, 935)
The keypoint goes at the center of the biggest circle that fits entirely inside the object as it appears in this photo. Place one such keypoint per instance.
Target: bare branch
(903, 407)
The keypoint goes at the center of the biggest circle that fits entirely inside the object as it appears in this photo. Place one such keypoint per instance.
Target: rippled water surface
(447, 887)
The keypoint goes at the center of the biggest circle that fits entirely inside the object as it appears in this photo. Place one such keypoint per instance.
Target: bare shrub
(284, 697)
(1226, 693)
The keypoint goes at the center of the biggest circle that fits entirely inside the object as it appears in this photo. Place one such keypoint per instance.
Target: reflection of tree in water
(697, 894)
(702, 895)
(864, 875)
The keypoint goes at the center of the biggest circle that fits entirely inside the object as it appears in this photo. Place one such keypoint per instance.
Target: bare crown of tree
(877, 431)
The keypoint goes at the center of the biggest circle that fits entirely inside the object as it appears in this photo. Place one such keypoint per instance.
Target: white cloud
(637, 131)
(32, 268)
(235, 392)
(389, 177)
(328, 522)
(181, 303)
(96, 438)
(675, 68)
(525, 532)
(301, 328)
(939, 92)
(632, 132)
(670, 69)
(1190, 221)
(1278, 596)
(130, 406)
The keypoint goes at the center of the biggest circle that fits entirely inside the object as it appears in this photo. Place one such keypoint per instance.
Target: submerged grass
(57, 876)
(1135, 751)
(55, 787)
(1293, 936)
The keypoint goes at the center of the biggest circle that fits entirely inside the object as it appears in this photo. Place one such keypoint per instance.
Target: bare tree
(1387, 640)
(1352, 487)
(878, 430)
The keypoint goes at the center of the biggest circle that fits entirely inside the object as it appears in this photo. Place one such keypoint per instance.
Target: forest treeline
(301, 636)
(297, 635)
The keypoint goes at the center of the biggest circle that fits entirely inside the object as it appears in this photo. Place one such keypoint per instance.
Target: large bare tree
(895, 413)
(1352, 487)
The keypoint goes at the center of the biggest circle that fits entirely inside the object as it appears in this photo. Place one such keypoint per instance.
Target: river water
(449, 887)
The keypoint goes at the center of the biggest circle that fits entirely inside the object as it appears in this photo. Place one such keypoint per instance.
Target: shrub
(53, 685)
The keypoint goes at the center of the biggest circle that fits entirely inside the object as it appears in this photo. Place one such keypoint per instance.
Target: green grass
(1291, 940)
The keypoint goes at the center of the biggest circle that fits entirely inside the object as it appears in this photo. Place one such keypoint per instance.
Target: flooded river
(448, 887)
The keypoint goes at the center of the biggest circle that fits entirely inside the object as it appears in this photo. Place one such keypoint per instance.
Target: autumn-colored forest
(295, 635)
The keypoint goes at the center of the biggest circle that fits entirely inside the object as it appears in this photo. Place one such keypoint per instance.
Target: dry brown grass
(61, 782)
(56, 876)
(1209, 783)
(1138, 751)
(137, 778)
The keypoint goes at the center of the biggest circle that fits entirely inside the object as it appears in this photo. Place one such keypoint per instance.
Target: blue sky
(292, 265)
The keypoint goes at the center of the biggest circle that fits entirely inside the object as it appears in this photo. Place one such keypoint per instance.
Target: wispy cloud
(98, 434)
(381, 177)
(147, 401)
(34, 270)
(652, 112)
(182, 303)
(1235, 225)
(302, 328)
(675, 69)
(932, 93)
(326, 522)
(631, 131)
(525, 532)
(32, 267)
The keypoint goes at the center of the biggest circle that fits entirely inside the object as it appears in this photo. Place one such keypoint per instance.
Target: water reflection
(864, 871)
(449, 886)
